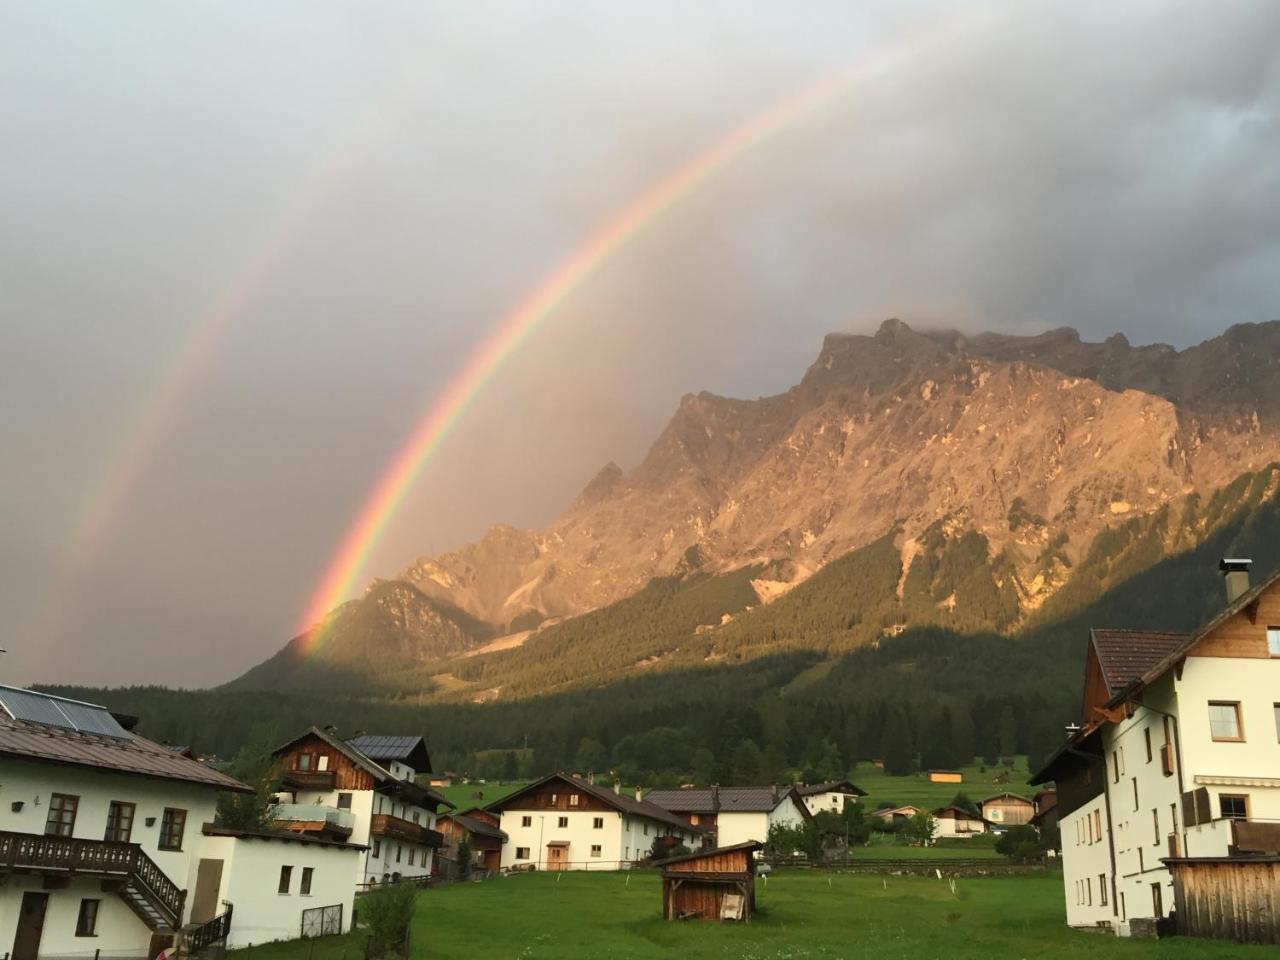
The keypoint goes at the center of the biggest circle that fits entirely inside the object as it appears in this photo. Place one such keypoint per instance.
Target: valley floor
(617, 916)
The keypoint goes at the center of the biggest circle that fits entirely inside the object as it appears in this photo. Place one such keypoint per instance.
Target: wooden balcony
(397, 828)
(144, 886)
(311, 779)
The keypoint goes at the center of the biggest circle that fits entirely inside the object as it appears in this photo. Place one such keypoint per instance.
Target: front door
(26, 942)
(556, 859)
(204, 905)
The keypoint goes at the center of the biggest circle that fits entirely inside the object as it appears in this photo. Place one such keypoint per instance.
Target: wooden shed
(715, 884)
(1228, 898)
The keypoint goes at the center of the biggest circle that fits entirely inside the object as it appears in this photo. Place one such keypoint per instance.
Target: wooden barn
(1228, 898)
(715, 884)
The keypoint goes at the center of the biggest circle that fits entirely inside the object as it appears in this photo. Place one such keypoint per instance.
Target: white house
(100, 831)
(734, 814)
(1177, 758)
(333, 789)
(957, 822)
(833, 795)
(562, 822)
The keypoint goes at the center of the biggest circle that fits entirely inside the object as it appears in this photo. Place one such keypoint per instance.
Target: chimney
(1235, 575)
(639, 793)
(773, 793)
(715, 798)
(617, 787)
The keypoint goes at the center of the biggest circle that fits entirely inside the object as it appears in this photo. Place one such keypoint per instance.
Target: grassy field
(917, 790)
(803, 915)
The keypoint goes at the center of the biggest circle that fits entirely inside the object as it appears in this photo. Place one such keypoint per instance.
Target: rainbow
(352, 555)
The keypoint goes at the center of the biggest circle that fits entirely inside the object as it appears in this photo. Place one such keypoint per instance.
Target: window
(1123, 915)
(1273, 641)
(1102, 889)
(87, 921)
(304, 761)
(1146, 736)
(344, 801)
(1276, 708)
(324, 762)
(1142, 864)
(62, 815)
(1097, 824)
(286, 876)
(573, 799)
(562, 822)
(1088, 891)
(412, 851)
(526, 821)
(646, 829)
(119, 822)
(553, 800)
(1234, 806)
(595, 849)
(415, 817)
(1135, 793)
(597, 823)
(399, 851)
(1224, 720)
(305, 887)
(1155, 824)
(628, 853)
(172, 826)
(377, 849)
(522, 853)
(1156, 901)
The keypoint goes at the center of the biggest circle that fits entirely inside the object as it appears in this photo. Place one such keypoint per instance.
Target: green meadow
(803, 914)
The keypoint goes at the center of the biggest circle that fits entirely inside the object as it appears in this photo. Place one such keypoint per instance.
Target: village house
(101, 837)
(1176, 763)
(482, 832)
(896, 814)
(734, 815)
(1008, 810)
(332, 788)
(832, 796)
(562, 822)
(1046, 804)
(957, 822)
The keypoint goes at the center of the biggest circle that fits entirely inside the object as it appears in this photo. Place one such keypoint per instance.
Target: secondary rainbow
(450, 405)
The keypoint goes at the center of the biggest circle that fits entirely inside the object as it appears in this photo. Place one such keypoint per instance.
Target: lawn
(917, 790)
(803, 915)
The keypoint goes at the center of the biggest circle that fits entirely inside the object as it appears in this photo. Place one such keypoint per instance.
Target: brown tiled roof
(1129, 655)
(38, 742)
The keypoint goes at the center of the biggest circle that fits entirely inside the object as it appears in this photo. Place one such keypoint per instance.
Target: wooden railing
(70, 855)
(311, 779)
(397, 828)
(211, 931)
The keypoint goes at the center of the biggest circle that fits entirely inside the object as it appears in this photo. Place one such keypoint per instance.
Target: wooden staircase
(140, 882)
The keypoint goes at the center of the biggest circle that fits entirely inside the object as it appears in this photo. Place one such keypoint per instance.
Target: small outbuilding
(715, 884)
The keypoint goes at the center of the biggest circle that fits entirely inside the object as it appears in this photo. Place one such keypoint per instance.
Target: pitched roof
(408, 749)
(1127, 655)
(830, 786)
(387, 781)
(475, 826)
(725, 799)
(122, 752)
(619, 801)
(751, 845)
(954, 813)
(1009, 796)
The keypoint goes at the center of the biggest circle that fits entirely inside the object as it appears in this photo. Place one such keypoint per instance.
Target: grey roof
(830, 786)
(407, 749)
(479, 827)
(722, 799)
(120, 753)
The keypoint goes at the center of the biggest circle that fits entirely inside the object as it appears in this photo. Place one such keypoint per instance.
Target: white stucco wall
(119, 929)
(832, 800)
(251, 877)
(622, 839)
(952, 827)
(1086, 865)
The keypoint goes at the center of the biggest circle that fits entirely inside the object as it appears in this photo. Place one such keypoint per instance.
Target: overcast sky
(357, 193)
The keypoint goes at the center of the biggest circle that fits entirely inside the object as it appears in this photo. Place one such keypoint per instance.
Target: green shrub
(388, 909)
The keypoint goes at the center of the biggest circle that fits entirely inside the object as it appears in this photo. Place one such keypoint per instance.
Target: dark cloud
(1107, 166)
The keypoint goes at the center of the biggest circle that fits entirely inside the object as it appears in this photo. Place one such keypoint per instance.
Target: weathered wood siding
(555, 796)
(733, 861)
(1243, 636)
(1228, 899)
(347, 776)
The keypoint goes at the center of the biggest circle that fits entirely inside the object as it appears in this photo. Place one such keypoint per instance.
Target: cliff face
(1024, 439)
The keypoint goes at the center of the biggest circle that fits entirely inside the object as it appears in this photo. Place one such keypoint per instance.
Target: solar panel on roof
(33, 707)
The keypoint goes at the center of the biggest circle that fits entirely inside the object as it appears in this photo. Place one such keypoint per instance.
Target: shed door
(204, 905)
(26, 942)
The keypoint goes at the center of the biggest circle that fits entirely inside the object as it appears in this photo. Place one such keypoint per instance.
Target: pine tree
(746, 763)
(895, 747)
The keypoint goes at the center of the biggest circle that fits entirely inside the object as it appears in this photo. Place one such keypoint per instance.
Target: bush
(1022, 842)
(388, 909)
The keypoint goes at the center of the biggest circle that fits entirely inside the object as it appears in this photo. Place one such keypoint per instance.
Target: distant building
(946, 776)
(735, 815)
(1008, 810)
(896, 814)
(481, 829)
(833, 795)
(958, 822)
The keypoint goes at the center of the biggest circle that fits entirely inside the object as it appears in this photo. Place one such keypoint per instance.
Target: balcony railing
(397, 828)
(311, 779)
(328, 818)
(73, 855)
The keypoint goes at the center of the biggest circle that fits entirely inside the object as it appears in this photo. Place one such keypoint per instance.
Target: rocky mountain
(1009, 455)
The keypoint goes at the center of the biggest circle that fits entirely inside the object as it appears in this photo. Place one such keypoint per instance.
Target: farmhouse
(958, 822)
(896, 814)
(564, 823)
(1008, 810)
(334, 789)
(833, 795)
(481, 830)
(735, 815)
(1176, 762)
(99, 831)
